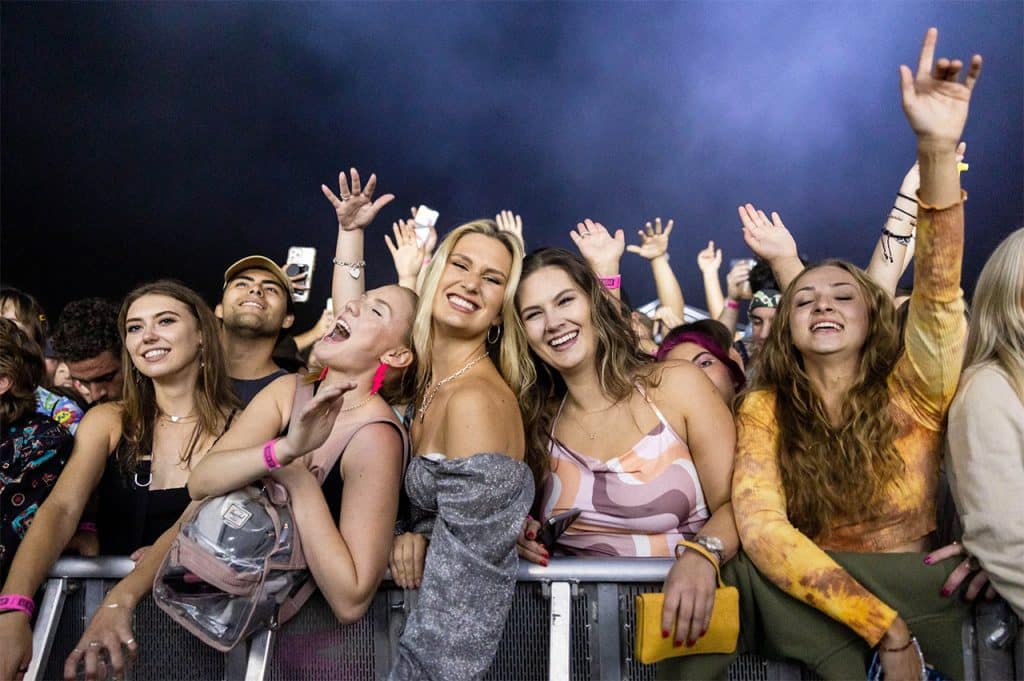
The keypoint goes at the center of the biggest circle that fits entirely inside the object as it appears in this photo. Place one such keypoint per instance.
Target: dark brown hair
(21, 360)
(28, 311)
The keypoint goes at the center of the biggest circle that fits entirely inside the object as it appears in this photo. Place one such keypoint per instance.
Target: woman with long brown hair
(136, 453)
(840, 437)
(644, 449)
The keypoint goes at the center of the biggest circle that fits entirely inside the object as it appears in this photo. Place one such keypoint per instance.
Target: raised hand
(653, 240)
(599, 248)
(934, 100)
(737, 281)
(709, 260)
(406, 251)
(508, 222)
(314, 422)
(355, 208)
(769, 239)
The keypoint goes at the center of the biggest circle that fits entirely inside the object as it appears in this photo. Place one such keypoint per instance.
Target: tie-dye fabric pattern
(639, 503)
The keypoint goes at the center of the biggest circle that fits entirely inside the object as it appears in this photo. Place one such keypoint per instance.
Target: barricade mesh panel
(523, 652)
(313, 646)
(166, 650)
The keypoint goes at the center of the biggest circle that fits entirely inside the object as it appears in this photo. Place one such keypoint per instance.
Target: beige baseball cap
(260, 262)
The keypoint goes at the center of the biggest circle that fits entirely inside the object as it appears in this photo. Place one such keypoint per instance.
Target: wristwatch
(712, 544)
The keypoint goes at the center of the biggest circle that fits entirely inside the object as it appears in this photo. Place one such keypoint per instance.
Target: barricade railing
(570, 620)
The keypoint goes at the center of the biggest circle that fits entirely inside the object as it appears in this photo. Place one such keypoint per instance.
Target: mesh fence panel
(313, 646)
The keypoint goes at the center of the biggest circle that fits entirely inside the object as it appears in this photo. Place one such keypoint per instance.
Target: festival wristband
(612, 283)
(87, 527)
(269, 457)
(732, 304)
(16, 602)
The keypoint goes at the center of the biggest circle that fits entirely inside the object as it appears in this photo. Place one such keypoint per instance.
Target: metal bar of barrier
(559, 570)
(260, 649)
(46, 626)
(559, 631)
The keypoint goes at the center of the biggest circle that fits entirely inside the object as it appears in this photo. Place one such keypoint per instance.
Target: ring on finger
(129, 641)
(972, 563)
(95, 644)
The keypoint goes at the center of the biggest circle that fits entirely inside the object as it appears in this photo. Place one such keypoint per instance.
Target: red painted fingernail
(690, 644)
(927, 560)
(531, 535)
(664, 633)
(677, 643)
(543, 562)
(945, 592)
(703, 631)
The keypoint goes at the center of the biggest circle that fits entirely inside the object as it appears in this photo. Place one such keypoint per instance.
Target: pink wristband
(612, 283)
(15, 602)
(732, 304)
(269, 457)
(87, 527)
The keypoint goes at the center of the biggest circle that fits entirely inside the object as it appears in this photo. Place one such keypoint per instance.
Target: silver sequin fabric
(479, 504)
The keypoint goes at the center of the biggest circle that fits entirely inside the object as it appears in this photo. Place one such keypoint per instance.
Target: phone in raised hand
(301, 260)
(425, 219)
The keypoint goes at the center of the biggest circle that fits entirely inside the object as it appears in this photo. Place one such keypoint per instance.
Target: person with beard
(255, 307)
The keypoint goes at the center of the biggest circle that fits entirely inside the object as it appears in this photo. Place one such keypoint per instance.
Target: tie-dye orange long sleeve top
(921, 388)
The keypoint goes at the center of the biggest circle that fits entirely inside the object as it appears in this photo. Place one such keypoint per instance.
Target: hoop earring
(496, 338)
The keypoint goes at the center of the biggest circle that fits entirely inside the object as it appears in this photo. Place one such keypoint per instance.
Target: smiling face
(367, 329)
(162, 336)
(829, 315)
(556, 314)
(254, 304)
(709, 364)
(471, 288)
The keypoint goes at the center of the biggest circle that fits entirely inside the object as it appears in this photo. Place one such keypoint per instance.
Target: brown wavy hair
(213, 396)
(620, 362)
(834, 471)
(21, 360)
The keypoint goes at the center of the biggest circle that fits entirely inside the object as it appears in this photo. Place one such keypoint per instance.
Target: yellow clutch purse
(722, 633)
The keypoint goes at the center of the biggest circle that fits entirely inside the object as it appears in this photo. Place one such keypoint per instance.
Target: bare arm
(355, 210)
(237, 459)
(709, 261)
(654, 247)
(738, 287)
(348, 560)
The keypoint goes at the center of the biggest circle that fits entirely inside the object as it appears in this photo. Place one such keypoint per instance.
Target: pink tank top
(639, 503)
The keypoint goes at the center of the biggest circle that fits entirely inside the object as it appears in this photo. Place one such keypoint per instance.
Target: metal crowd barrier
(570, 620)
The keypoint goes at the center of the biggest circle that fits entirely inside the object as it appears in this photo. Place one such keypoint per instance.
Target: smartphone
(301, 260)
(556, 525)
(330, 305)
(425, 219)
(739, 261)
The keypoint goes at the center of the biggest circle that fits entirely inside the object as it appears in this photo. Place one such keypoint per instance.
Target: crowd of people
(487, 391)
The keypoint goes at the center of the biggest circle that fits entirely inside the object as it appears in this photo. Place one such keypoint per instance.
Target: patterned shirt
(640, 503)
(921, 388)
(33, 451)
(63, 410)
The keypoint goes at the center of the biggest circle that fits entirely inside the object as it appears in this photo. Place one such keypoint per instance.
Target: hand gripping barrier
(570, 620)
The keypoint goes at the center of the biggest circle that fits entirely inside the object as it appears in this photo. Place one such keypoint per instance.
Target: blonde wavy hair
(997, 313)
(509, 352)
(833, 471)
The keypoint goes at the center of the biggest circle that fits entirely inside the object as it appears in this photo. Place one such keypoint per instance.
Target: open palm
(355, 207)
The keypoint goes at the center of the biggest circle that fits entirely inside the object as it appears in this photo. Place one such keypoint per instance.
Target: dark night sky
(165, 139)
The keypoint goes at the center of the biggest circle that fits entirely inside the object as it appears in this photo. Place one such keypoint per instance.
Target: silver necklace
(432, 393)
(177, 419)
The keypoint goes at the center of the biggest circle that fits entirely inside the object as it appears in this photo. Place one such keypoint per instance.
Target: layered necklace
(432, 392)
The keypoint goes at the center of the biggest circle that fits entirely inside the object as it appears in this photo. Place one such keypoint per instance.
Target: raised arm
(602, 250)
(709, 261)
(772, 242)
(936, 106)
(355, 210)
(737, 286)
(53, 525)
(408, 254)
(654, 247)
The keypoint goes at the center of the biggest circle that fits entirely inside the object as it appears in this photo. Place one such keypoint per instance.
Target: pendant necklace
(432, 393)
